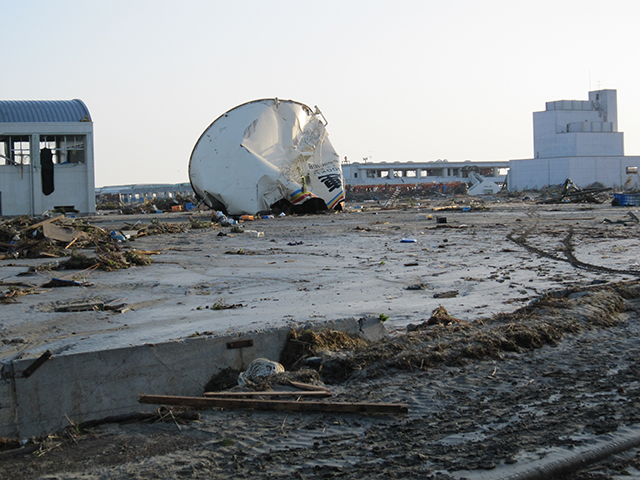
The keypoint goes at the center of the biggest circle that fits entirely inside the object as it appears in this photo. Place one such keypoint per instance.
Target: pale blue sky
(397, 80)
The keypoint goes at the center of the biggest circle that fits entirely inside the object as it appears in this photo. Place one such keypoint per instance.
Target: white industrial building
(139, 193)
(441, 175)
(576, 139)
(46, 157)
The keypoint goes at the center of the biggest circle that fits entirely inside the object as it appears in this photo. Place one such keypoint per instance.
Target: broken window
(15, 150)
(64, 148)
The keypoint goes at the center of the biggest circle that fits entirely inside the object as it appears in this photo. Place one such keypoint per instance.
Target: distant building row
(575, 139)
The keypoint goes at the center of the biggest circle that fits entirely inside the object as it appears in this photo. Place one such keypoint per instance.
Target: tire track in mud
(567, 249)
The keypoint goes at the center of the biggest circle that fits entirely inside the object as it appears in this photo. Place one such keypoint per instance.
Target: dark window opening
(64, 148)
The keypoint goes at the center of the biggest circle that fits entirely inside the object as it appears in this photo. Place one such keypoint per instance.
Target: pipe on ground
(576, 462)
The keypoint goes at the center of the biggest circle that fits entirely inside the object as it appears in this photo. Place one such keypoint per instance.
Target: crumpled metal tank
(265, 151)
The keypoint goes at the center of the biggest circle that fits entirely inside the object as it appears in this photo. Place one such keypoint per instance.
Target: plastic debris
(259, 370)
(118, 236)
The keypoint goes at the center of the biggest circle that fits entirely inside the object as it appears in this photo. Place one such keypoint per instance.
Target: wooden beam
(269, 393)
(281, 405)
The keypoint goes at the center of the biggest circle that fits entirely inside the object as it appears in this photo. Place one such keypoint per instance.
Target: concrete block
(372, 329)
(93, 385)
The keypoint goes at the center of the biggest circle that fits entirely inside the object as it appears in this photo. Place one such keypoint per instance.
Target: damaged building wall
(61, 131)
(264, 152)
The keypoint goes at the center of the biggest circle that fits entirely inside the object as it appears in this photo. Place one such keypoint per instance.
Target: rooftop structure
(577, 128)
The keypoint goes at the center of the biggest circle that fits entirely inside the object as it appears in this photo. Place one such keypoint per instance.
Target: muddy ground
(489, 397)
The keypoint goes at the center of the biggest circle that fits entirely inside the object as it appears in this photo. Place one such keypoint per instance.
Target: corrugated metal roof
(44, 111)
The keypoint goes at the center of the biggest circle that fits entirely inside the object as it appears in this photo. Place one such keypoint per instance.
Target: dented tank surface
(264, 152)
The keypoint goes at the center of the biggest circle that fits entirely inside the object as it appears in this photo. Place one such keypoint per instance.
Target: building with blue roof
(46, 157)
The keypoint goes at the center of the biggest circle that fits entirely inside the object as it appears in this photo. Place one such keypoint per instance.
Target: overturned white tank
(265, 153)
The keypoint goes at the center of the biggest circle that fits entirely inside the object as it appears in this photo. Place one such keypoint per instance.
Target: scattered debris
(63, 234)
(417, 286)
(91, 306)
(108, 261)
(448, 294)
(259, 370)
(633, 216)
(472, 207)
(157, 227)
(240, 251)
(572, 193)
(199, 224)
(439, 316)
(60, 282)
(10, 295)
(222, 305)
(80, 307)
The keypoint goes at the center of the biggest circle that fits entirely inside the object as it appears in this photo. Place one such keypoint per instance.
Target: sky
(397, 80)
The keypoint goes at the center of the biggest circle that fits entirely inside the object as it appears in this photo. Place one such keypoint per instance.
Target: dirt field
(532, 363)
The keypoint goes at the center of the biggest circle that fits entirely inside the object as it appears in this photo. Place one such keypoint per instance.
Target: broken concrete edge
(370, 328)
(79, 387)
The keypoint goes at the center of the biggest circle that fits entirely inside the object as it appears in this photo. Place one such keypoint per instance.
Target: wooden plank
(280, 405)
(36, 225)
(269, 393)
(307, 386)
